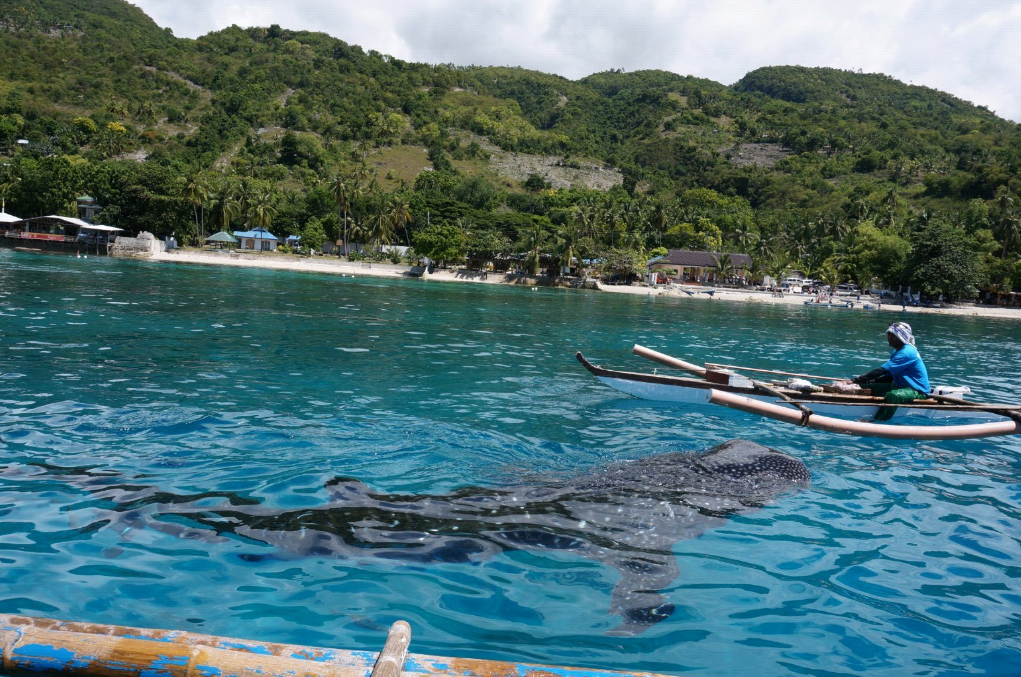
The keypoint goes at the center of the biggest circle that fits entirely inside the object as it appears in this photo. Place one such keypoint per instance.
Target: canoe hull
(689, 391)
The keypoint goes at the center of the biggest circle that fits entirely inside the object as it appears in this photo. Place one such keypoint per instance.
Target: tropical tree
(534, 242)
(441, 242)
(5, 190)
(196, 192)
(484, 244)
(942, 262)
(569, 246)
(261, 209)
(625, 264)
(400, 213)
(1009, 232)
(725, 267)
(659, 220)
(343, 192)
(876, 253)
(224, 207)
(778, 266)
(1008, 221)
(745, 238)
(830, 275)
(380, 228)
(313, 235)
(114, 139)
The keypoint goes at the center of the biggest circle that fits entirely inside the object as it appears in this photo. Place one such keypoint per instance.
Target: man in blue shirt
(903, 378)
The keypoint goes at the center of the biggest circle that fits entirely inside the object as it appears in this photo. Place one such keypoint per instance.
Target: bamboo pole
(650, 354)
(1002, 410)
(861, 428)
(773, 371)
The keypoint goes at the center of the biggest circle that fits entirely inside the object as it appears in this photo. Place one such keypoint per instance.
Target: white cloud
(968, 49)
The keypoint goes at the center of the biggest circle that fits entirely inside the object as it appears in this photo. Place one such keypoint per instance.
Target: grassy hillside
(818, 168)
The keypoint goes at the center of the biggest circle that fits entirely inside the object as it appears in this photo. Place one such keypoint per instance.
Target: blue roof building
(258, 239)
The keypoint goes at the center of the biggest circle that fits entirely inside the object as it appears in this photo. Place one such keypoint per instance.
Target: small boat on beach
(796, 400)
(815, 303)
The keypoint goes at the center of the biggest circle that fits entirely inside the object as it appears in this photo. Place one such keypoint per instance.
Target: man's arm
(877, 375)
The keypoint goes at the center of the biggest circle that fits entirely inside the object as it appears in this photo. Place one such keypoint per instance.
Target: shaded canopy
(222, 236)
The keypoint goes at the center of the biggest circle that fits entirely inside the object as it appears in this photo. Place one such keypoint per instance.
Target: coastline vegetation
(844, 175)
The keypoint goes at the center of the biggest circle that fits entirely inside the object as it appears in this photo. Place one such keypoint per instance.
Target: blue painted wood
(41, 645)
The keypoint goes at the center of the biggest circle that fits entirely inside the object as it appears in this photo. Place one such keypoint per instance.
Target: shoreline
(334, 266)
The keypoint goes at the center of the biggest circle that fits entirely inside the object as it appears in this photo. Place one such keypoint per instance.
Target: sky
(969, 48)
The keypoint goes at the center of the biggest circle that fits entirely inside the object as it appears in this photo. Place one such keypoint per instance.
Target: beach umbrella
(222, 236)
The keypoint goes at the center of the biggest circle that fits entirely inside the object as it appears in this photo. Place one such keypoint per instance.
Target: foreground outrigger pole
(46, 646)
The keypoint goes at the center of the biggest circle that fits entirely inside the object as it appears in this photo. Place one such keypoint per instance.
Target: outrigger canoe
(941, 417)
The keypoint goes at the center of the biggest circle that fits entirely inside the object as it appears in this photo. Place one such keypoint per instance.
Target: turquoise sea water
(147, 411)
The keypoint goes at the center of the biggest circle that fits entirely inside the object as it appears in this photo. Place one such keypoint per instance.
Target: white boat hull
(660, 392)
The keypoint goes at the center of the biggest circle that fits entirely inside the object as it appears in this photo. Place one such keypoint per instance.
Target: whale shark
(626, 515)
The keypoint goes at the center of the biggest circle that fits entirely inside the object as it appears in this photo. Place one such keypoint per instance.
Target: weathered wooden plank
(48, 646)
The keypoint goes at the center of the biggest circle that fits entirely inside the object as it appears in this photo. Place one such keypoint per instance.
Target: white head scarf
(902, 330)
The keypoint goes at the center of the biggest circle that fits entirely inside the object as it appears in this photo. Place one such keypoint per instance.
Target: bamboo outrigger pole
(668, 361)
(862, 428)
(814, 377)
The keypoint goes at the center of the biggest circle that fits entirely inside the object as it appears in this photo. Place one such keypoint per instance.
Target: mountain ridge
(100, 87)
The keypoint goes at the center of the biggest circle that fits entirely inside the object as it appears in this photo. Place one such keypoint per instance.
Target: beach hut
(221, 240)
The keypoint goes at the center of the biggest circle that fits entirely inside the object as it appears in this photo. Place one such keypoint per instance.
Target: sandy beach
(334, 266)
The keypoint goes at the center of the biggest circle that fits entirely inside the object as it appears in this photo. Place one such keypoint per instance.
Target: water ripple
(124, 472)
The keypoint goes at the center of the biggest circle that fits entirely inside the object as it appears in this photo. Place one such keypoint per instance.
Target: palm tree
(224, 207)
(400, 214)
(829, 273)
(1009, 226)
(725, 267)
(261, 210)
(342, 191)
(585, 217)
(1009, 231)
(860, 209)
(5, 190)
(837, 227)
(745, 237)
(196, 193)
(889, 209)
(380, 229)
(534, 242)
(777, 267)
(659, 220)
(568, 248)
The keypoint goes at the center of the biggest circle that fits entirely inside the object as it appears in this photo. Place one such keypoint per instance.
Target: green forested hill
(844, 175)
